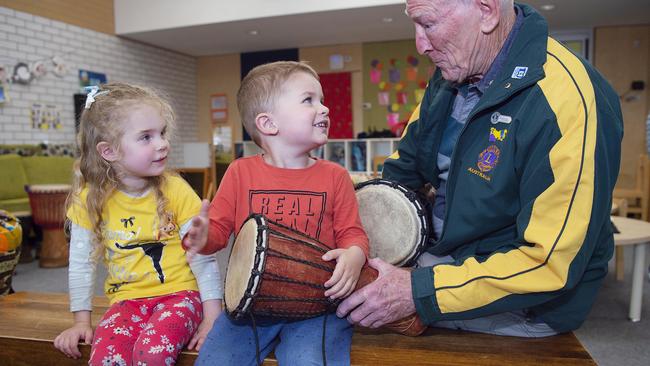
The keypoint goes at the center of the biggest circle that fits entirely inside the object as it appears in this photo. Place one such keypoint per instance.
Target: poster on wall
(218, 108)
(3, 93)
(90, 78)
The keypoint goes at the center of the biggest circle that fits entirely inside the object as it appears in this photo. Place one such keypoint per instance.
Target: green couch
(17, 171)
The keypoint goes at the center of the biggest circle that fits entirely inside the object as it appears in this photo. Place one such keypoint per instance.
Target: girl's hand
(68, 341)
(197, 235)
(346, 273)
(211, 311)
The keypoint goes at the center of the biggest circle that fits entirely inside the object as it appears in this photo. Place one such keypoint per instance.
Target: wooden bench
(29, 322)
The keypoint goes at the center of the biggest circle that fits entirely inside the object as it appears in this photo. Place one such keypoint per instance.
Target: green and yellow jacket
(529, 189)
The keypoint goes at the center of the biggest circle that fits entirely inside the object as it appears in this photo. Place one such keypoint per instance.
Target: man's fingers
(373, 318)
(360, 313)
(379, 265)
(351, 302)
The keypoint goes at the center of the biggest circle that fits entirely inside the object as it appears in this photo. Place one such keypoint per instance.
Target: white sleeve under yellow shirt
(143, 256)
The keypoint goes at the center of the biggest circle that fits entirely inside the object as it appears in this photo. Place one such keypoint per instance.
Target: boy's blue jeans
(295, 342)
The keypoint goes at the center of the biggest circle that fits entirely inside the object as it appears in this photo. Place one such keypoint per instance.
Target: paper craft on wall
(383, 98)
(3, 93)
(375, 71)
(401, 98)
(45, 117)
(91, 78)
(218, 108)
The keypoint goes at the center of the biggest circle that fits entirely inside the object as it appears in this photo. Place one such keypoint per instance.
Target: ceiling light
(547, 7)
(253, 32)
(387, 20)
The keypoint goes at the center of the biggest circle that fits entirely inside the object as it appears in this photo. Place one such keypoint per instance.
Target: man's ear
(108, 152)
(490, 14)
(265, 125)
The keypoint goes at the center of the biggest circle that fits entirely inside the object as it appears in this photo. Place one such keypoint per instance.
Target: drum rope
(305, 243)
(275, 253)
(323, 339)
(257, 341)
(275, 277)
(291, 299)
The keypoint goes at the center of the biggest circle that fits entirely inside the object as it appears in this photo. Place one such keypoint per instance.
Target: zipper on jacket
(472, 114)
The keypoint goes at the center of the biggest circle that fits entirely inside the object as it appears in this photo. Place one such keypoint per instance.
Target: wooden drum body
(277, 272)
(48, 211)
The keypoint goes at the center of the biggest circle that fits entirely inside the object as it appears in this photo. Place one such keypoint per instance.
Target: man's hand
(197, 235)
(346, 273)
(383, 301)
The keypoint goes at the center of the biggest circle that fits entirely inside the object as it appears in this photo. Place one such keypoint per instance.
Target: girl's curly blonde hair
(104, 121)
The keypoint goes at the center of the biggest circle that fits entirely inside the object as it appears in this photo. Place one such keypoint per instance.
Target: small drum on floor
(48, 211)
(275, 271)
(395, 219)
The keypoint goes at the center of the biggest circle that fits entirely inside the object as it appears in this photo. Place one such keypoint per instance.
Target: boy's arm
(222, 212)
(204, 267)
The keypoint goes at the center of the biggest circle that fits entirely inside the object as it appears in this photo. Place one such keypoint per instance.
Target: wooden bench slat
(29, 322)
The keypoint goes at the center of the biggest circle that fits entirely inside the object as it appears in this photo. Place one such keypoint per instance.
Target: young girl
(125, 207)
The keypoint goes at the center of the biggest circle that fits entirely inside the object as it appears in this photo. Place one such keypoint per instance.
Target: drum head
(391, 221)
(240, 266)
(46, 188)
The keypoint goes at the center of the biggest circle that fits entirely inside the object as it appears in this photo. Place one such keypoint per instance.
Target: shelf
(355, 155)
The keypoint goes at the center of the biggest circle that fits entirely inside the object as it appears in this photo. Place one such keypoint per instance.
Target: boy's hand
(197, 235)
(68, 341)
(211, 311)
(346, 273)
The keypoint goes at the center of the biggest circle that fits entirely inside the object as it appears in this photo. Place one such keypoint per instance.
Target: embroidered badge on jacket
(488, 158)
(497, 135)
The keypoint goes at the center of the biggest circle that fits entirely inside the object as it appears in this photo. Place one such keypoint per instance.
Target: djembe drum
(395, 219)
(276, 271)
(10, 239)
(48, 211)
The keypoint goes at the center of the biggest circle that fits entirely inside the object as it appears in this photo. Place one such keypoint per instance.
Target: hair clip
(93, 91)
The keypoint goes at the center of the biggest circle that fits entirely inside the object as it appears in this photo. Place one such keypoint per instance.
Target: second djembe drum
(48, 211)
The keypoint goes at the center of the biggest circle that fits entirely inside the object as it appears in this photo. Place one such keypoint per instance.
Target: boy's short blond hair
(260, 89)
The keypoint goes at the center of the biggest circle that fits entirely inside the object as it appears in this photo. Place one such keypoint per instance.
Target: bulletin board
(337, 89)
(394, 79)
(218, 108)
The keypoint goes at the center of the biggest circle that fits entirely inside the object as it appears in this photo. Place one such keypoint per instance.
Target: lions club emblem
(488, 158)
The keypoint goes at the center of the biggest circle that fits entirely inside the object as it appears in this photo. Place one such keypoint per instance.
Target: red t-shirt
(318, 201)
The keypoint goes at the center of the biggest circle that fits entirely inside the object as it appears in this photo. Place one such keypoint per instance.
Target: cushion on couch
(48, 169)
(12, 177)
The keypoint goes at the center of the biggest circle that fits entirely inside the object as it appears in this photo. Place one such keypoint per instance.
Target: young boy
(281, 105)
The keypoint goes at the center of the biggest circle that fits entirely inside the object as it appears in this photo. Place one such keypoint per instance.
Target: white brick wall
(25, 37)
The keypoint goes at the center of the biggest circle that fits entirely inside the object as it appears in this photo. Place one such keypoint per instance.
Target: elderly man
(521, 139)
